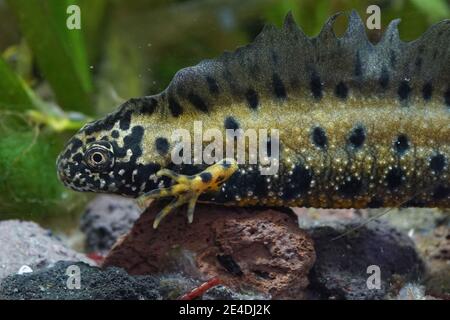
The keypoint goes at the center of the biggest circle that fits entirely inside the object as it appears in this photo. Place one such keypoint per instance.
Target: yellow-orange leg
(187, 189)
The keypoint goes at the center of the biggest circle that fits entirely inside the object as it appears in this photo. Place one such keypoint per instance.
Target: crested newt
(360, 125)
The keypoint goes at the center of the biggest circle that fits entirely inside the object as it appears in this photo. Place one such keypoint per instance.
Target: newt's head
(109, 155)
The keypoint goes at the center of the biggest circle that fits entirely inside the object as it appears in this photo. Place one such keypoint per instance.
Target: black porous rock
(341, 268)
(112, 283)
(95, 284)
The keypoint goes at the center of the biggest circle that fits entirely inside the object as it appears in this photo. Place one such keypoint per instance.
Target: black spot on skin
(134, 137)
(198, 102)
(278, 87)
(401, 144)
(76, 144)
(394, 178)
(237, 184)
(427, 91)
(351, 188)
(229, 264)
(447, 97)
(212, 85)
(384, 78)
(115, 134)
(341, 90)
(175, 107)
(357, 137)
(143, 175)
(148, 105)
(259, 184)
(66, 154)
(441, 192)
(206, 177)
(231, 123)
(404, 90)
(118, 151)
(319, 137)
(125, 120)
(187, 169)
(132, 142)
(162, 145)
(106, 123)
(300, 182)
(78, 157)
(226, 164)
(252, 98)
(358, 65)
(437, 163)
(316, 86)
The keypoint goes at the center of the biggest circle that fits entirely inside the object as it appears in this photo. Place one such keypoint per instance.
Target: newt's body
(360, 125)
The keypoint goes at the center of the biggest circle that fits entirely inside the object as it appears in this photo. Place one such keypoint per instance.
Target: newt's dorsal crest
(286, 64)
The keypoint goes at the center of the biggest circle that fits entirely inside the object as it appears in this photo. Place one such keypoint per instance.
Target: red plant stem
(200, 290)
(96, 257)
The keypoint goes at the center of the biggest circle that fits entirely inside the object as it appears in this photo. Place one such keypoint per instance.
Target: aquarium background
(53, 80)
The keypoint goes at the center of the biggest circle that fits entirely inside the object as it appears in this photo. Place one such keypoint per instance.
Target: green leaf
(15, 93)
(93, 24)
(29, 187)
(434, 9)
(60, 53)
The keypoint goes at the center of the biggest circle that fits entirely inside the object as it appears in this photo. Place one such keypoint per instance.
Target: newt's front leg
(187, 189)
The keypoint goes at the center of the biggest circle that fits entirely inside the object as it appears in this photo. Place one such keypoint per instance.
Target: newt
(361, 125)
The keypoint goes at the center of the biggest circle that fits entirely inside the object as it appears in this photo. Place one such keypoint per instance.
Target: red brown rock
(246, 248)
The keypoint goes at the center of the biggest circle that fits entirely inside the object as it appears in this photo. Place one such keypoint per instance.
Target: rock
(341, 266)
(435, 247)
(312, 217)
(52, 283)
(411, 291)
(27, 244)
(430, 230)
(106, 218)
(99, 284)
(246, 248)
(419, 220)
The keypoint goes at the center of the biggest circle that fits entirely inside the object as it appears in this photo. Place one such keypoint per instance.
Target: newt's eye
(99, 156)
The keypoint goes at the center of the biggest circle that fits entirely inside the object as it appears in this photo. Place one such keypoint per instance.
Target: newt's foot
(187, 189)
